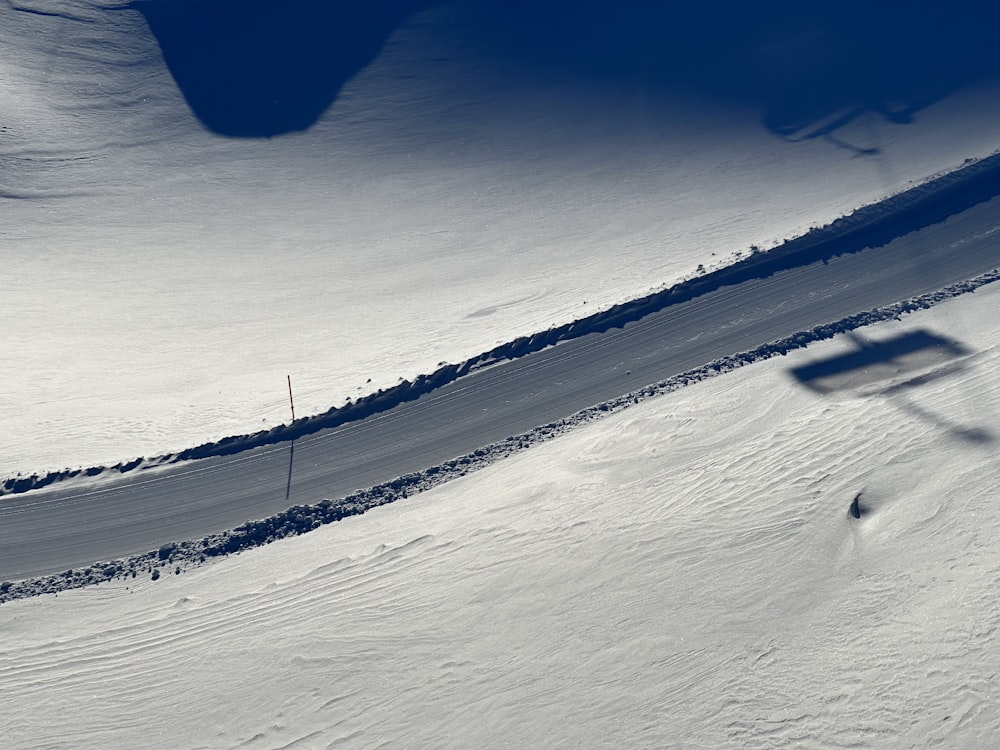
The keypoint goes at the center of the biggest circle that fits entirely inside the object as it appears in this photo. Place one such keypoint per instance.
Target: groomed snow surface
(685, 573)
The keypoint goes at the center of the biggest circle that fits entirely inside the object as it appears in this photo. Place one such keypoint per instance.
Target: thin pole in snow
(290, 399)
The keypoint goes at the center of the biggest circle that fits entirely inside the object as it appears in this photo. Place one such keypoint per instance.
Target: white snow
(684, 573)
(438, 208)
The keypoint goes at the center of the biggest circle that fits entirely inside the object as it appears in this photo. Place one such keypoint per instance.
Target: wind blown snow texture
(442, 205)
(685, 573)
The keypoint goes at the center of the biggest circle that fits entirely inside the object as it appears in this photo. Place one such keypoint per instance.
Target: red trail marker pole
(290, 399)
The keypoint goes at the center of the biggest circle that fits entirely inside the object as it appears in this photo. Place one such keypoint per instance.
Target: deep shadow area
(260, 68)
(810, 68)
(872, 362)
(257, 68)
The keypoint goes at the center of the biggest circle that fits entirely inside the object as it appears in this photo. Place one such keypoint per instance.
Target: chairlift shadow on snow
(257, 68)
(812, 69)
(894, 368)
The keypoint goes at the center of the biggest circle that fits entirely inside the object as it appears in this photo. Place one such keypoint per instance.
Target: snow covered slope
(759, 560)
(478, 180)
(686, 573)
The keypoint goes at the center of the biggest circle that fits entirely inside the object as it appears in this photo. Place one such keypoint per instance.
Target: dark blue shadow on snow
(892, 367)
(260, 68)
(893, 359)
(263, 67)
(810, 68)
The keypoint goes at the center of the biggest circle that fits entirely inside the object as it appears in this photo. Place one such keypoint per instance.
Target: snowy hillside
(473, 177)
(686, 573)
(201, 197)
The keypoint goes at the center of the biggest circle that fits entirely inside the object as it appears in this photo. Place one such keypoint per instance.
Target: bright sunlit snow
(686, 573)
(161, 280)
(753, 561)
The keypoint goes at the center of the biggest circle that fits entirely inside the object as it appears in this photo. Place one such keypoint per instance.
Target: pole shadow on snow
(257, 68)
(291, 462)
(892, 368)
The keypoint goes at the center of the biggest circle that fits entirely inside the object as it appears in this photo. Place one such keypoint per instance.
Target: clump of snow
(687, 571)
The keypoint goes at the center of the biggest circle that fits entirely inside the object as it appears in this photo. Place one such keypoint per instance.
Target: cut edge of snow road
(173, 557)
(872, 225)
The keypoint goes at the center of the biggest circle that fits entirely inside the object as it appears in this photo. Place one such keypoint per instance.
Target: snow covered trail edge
(175, 556)
(873, 225)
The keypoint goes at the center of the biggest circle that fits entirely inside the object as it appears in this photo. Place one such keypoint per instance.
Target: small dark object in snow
(856, 508)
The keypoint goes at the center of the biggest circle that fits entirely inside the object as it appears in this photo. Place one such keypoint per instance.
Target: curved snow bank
(869, 226)
(300, 519)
